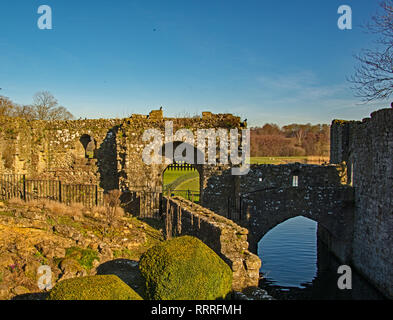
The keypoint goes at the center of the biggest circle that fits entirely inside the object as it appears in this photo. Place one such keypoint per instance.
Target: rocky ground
(73, 240)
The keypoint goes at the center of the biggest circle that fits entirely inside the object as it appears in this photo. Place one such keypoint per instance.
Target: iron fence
(18, 186)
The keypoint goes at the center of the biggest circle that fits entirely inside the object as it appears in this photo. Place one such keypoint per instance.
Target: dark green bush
(101, 287)
(185, 268)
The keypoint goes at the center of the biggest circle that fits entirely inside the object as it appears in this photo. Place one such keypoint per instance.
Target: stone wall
(340, 140)
(369, 151)
(331, 207)
(55, 150)
(225, 237)
(223, 185)
(134, 172)
(62, 149)
(266, 197)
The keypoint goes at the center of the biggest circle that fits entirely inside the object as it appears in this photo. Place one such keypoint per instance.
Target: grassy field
(190, 184)
(181, 181)
(171, 175)
(283, 160)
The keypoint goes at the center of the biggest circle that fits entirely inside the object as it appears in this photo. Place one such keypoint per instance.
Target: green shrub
(185, 268)
(101, 287)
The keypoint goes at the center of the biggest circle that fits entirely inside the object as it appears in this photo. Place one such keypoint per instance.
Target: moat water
(297, 266)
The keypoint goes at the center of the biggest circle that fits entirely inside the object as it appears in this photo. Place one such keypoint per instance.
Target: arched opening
(183, 176)
(182, 179)
(289, 253)
(89, 145)
(297, 264)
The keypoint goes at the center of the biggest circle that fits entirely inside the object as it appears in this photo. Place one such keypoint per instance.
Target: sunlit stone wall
(369, 153)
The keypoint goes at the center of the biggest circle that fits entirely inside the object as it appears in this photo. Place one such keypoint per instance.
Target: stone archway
(325, 205)
(182, 179)
(90, 145)
(186, 162)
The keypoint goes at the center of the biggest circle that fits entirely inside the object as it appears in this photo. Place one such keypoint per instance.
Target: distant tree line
(44, 107)
(290, 140)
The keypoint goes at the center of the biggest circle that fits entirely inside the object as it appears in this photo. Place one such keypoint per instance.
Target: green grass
(276, 160)
(173, 178)
(284, 160)
(171, 175)
(190, 184)
(181, 181)
(6, 213)
(85, 257)
(41, 257)
(50, 221)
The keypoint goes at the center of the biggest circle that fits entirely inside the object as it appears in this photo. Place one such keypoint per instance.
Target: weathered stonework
(360, 151)
(266, 197)
(367, 148)
(223, 184)
(58, 149)
(225, 237)
(53, 150)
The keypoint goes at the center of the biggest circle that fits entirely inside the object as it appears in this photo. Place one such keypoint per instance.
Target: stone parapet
(222, 235)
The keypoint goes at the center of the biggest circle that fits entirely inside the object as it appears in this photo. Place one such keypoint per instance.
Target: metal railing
(18, 186)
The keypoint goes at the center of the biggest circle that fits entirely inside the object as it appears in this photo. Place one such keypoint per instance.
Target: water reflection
(296, 265)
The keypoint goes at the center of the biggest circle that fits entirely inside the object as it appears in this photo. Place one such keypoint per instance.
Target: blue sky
(264, 60)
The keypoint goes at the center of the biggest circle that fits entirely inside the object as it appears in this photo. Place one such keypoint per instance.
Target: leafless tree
(6, 106)
(112, 204)
(46, 107)
(25, 112)
(373, 77)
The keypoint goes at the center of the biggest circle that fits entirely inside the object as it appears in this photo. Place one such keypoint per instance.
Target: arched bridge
(330, 206)
(271, 194)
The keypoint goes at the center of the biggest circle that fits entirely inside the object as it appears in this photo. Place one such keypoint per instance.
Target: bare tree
(25, 112)
(6, 106)
(46, 107)
(112, 204)
(373, 77)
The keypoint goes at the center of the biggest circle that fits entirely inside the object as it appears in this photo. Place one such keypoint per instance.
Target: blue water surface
(289, 253)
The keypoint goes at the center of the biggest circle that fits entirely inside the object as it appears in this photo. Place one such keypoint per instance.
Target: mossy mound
(185, 268)
(101, 287)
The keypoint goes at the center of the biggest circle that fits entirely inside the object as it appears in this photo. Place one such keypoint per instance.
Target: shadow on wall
(107, 161)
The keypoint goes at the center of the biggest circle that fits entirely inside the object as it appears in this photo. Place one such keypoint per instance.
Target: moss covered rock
(185, 268)
(102, 287)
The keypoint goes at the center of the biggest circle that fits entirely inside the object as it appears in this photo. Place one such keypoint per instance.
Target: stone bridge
(330, 207)
(226, 238)
(270, 194)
